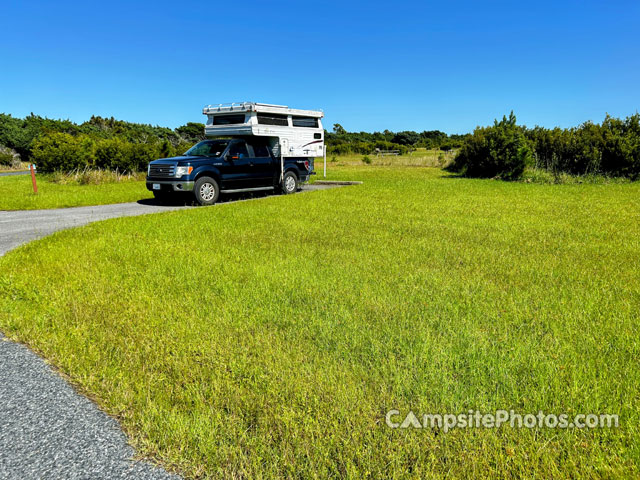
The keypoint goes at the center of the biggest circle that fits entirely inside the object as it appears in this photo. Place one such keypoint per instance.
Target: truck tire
(289, 183)
(206, 191)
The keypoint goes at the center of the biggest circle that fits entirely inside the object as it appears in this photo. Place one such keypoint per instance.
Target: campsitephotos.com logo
(499, 418)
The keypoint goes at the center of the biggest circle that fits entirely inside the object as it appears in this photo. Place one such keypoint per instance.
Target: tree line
(99, 142)
(502, 150)
(115, 144)
(341, 142)
(505, 149)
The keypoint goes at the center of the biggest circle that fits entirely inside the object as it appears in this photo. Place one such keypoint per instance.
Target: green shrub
(6, 159)
(166, 150)
(141, 154)
(621, 146)
(611, 149)
(366, 160)
(61, 152)
(114, 154)
(498, 151)
(7, 156)
(192, 131)
(181, 147)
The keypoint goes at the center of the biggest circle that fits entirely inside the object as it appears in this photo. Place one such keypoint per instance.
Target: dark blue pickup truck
(212, 167)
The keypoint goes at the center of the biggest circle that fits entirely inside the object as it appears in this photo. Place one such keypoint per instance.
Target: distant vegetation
(62, 145)
(504, 150)
(341, 142)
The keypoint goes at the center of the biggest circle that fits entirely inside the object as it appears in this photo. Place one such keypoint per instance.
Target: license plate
(156, 186)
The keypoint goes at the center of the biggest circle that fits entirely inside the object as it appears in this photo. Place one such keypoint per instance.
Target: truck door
(262, 164)
(236, 173)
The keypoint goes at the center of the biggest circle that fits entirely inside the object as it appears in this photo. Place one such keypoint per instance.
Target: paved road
(47, 430)
(9, 174)
(18, 227)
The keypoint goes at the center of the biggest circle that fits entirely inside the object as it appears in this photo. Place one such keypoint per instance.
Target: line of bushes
(610, 148)
(505, 149)
(59, 151)
(65, 145)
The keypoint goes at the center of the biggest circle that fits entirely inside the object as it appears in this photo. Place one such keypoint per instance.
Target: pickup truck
(214, 167)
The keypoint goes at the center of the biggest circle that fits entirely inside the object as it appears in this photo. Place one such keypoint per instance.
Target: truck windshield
(208, 148)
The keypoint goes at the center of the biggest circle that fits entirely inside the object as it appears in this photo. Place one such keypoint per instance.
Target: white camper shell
(293, 132)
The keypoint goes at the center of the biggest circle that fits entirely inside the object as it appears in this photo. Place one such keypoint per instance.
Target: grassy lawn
(268, 339)
(16, 193)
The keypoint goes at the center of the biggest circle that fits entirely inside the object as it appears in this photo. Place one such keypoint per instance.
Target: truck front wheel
(206, 191)
(289, 183)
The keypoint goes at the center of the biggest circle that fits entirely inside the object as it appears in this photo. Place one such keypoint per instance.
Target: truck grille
(162, 170)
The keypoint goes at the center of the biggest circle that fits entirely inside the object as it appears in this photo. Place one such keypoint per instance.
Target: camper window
(228, 119)
(305, 122)
(273, 119)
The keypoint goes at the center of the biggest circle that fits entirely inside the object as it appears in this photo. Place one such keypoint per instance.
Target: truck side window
(239, 148)
(260, 150)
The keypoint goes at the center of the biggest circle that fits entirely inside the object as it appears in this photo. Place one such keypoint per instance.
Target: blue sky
(403, 65)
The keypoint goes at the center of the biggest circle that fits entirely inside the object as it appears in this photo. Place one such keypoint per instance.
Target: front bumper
(170, 185)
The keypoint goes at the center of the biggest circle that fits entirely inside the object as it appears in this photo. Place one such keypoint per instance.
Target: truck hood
(172, 160)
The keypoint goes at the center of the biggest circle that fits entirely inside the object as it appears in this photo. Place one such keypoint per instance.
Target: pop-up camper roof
(244, 107)
(298, 133)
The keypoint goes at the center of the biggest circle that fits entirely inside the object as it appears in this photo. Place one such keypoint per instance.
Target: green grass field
(268, 339)
(16, 193)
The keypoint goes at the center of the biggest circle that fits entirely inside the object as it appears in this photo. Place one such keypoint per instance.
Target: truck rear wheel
(289, 183)
(206, 191)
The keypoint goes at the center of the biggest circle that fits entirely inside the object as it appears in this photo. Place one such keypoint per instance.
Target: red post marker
(33, 178)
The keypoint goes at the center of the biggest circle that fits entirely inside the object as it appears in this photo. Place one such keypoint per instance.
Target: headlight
(181, 171)
(149, 170)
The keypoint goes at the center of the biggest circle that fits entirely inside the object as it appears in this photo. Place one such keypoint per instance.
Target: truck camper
(249, 147)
